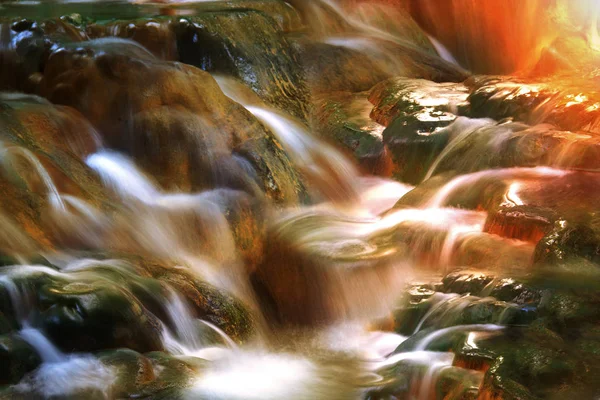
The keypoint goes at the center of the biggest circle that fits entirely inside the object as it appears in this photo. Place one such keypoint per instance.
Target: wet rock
(403, 97)
(247, 45)
(482, 284)
(281, 12)
(458, 383)
(44, 150)
(567, 308)
(213, 305)
(154, 34)
(569, 241)
(568, 106)
(464, 282)
(156, 375)
(179, 104)
(529, 223)
(17, 357)
(95, 316)
(330, 67)
(356, 64)
(28, 44)
(415, 111)
(479, 144)
(413, 152)
(314, 280)
(153, 277)
(342, 118)
(412, 308)
(542, 366)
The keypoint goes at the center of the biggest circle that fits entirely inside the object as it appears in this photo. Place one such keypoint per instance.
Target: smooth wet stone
(29, 43)
(214, 305)
(416, 302)
(569, 307)
(331, 67)
(17, 357)
(479, 144)
(567, 106)
(343, 119)
(281, 12)
(180, 105)
(506, 289)
(151, 282)
(466, 282)
(415, 113)
(308, 280)
(458, 383)
(89, 317)
(529, 223)
(45, 147)
(153, 375)
(155, 34)
(426, 100)
(569, 241)
(413, 152)
(250, 46)
(534, 363)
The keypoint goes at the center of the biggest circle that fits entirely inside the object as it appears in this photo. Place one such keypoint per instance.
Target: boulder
(140, 103)
(343, 119)
(250, 46)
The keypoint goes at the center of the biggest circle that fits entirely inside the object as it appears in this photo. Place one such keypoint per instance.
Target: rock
(286, 17)
(415, 111)
(206, 301)
(403, 97)
(466, 282)
(413, 152)
(569, 307)
(568, 242)
(179, 104)
(247, 45)
(29, 43)
(157, 375)
(311, 277)
(358, 64)
(44, 150)
(458, 383)
(343, 118)
(94, 316)
(331, 67)
(17, 358)
(529, 223)
(213, 305)
(570, 106)
(542, 366)
(155, 34)
(479, 144)
(412, 308)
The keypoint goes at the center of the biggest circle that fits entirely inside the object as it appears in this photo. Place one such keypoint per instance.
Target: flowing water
(193, 206)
